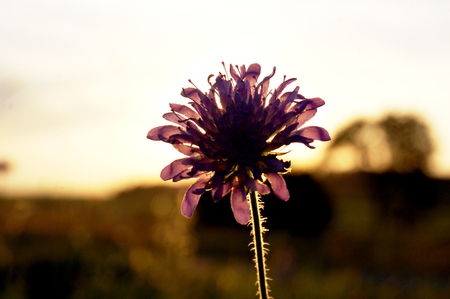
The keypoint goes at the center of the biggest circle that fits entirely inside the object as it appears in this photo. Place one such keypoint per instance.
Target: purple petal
(206, 121)
(285, 132)
(187, 150)
(306, 141)
(219, 187)
(316, 133)
(257, 186)
(315, 103)
(234, 74)
(187, 174)
(184, 110)
(288, 97)
(172, 117)
(239, 205)
(265, 83)
(273, 164)
(175, 168)
(308, 104)
(192, 196)
(305, 116)
(252, 73)
(281, 119)
(206, 101)
(191, 93)
(225, 89)
(278, 185)
(163, 132)
(182, 138)
(280, 89)
(242, 71)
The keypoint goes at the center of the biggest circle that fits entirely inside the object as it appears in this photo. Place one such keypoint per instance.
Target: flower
(231, 134)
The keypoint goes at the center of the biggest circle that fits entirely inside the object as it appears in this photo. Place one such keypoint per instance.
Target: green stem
(258, 245)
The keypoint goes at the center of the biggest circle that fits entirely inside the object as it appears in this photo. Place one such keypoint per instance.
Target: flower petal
(220, 188)
(184, 110)
(314, 103)
(225, 89)
(185, 174)
(264, 84)
(273, 164)
(316, 133)
(252, 73)
(192, 196)
(175, 168)
(239, 205)
(163, 132)
(234, 74)
(278, 185)
(191, 93)
(182, 138)
(172, 117)
(288, 98)
(280, 89)
(305, 116)
(188, 150)
(257, 186)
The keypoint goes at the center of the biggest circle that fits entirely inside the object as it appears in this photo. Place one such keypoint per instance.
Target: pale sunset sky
(83, 81)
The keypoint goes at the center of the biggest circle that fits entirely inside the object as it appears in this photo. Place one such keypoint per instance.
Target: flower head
(231, 134)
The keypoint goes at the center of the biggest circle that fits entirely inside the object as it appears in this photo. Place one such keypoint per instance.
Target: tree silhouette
(409, 143)
(394, 151)
(4, 167)
(395, 143)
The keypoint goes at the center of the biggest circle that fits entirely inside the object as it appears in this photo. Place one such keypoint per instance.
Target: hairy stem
(258, 245)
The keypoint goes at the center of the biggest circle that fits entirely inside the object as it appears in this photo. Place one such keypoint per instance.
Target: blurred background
(83, 213)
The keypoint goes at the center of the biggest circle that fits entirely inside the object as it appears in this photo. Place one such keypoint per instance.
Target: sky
(82, 82)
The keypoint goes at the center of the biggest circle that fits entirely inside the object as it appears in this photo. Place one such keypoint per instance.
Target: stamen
(226, 72)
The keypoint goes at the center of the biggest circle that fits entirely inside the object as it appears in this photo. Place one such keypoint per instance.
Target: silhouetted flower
(231, 134)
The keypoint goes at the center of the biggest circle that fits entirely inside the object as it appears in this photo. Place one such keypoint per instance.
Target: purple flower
(231, 134)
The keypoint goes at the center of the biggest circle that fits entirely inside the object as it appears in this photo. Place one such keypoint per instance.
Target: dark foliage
(404, 197)
(306, 214)
(51, 279)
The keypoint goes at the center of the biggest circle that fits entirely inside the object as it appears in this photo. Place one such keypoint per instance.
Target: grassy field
(137, 245)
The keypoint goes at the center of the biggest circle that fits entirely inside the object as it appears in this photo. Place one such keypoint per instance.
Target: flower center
(240, 136)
